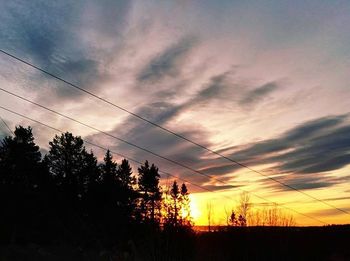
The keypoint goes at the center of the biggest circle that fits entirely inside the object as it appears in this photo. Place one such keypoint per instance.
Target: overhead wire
(172, 132)
(254, 194)
(7, 126)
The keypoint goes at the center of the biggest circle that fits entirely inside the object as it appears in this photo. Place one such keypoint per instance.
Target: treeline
(68, 196)
(244, 215)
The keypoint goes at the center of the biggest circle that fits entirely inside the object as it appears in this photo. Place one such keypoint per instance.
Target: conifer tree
(150, 201)
(64, 159)
(127, 181)
(175, 204)
(109, 170)
(22, 183)
(186, 219)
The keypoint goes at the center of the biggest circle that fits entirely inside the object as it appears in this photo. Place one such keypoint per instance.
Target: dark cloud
(258, 93)
(147, 136)
(47, 34)
(310, 184)
(301, 153)
(325, 146)
(219, 187)
(167, 63)
(158, 141)
(329, 212)
(163, 112)
(290, 139)
(215, 89)
(220, 169)
(337, 199)
(36, 28)
(83, 72)
(327, 152)
(314, 127)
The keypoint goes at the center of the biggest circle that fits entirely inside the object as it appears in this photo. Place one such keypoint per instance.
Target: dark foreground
(252, 243)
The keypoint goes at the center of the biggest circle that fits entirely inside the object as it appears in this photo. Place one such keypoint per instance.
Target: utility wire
(7, 126)
(257, 196)
(174, 133)
(115, 137)
(105, 149)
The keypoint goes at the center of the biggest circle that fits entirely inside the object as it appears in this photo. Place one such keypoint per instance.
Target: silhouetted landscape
(66, 205)
(174, 130)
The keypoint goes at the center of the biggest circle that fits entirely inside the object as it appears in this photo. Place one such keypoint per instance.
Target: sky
(265, 83)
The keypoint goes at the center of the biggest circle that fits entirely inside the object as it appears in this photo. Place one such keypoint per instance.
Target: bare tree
(272, 216)
(209, 214)
(244, 206)
(227, 215)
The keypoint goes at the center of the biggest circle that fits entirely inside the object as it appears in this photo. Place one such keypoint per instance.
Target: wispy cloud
(208, 73)
(329, 212)
(259, 93)
(168, 63)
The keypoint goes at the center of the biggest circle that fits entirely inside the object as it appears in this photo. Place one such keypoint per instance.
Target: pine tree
(150, 201)
(127, 182)
(186, 219)
(124, 175)
(109, 195)
(64, 159)
(109, 170)
(175, 204)
(22, 184)
(177, 207)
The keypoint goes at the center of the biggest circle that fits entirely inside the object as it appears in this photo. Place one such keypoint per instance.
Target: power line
(105, 149)
(174, 133)
(115, 137)
(7, 126)
(167, 173)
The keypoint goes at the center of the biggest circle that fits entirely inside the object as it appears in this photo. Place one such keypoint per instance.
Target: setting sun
(195, 211)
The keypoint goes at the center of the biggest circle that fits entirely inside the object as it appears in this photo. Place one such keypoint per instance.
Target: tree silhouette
(209, 215)
(69, 197)
(22, 183)
(127, 195)
(177, 207)
(186, 219)
(108, 169)
(71, 168)
(150, 193)
(110, 210)
(174, 206)
(65, 159)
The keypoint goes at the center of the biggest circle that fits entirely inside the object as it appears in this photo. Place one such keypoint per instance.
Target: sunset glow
(264, 84)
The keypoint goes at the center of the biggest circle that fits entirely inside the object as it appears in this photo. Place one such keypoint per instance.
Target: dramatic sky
(262, 82)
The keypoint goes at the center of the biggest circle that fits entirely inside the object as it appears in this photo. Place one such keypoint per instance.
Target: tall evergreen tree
(111, 210)
(178, 212)
(109, 170)
(175, 204)
(22, 184)
(65, 158)
(124, 175)
(127, 194)
(19, 158)
(148, 183)
(186, 219)
(66, 161)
